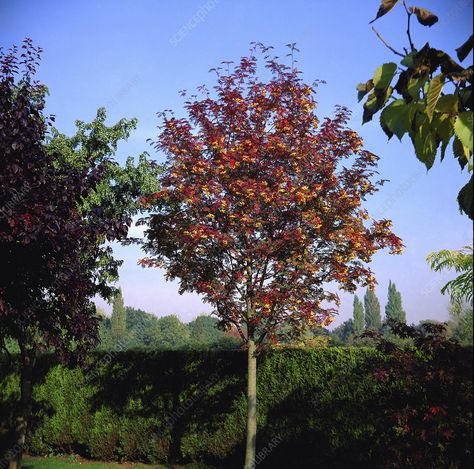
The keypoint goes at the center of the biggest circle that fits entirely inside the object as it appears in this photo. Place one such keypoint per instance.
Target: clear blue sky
(134, 56)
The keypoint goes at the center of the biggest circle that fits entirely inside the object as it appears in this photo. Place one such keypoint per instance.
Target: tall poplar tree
(373, 319)
(394, 308)
(119, 318)
(358, 313)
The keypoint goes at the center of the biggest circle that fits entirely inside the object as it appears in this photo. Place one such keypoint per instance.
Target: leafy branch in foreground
(460, 288)
(431, 99)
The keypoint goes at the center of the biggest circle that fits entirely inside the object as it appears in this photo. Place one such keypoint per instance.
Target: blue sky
(134, 57)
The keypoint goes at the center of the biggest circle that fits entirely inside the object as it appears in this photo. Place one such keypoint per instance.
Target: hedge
(316, 408)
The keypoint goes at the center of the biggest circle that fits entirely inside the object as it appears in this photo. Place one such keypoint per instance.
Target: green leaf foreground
(431, 101)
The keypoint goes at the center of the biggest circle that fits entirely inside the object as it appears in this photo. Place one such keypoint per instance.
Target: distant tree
(373, 318)
(104, 327)
(168, 332)
(345, 331)
(137, 319)
(261, 207)
(394, 308)
(358, 315)
(203, 330)
(118, 320)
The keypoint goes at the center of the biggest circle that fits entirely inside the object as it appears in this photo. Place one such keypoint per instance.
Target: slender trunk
(27, 358)
(251, 446)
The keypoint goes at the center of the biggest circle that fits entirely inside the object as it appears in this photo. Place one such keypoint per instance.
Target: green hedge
(323, 407)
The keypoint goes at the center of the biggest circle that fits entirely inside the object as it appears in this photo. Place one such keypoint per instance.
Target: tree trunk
(250, 450)
(27, 358)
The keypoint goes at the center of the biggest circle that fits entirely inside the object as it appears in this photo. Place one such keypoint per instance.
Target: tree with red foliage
(53, 256)
(261, 205)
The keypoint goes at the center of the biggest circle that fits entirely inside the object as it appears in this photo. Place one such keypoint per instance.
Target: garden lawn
(70, 463)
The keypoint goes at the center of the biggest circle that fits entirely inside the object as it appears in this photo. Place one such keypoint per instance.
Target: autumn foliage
(261, 203)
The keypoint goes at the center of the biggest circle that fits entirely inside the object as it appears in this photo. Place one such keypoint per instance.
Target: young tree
(261, 205)
(358, 314)
(373, 318)
(52, 242)
(393, 308)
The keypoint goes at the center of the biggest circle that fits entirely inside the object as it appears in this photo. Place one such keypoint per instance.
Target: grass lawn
(76, 462)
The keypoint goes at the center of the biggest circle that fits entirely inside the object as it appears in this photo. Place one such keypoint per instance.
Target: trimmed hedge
(323, 406)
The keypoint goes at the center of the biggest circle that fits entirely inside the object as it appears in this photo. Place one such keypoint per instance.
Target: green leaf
(407, 61)
(383, 75)
(375, 101)
(447, 104)
(424, 17)
(444, 126)
(424, 140)
(384, 126)
(466, 97)
(463, 129)
(363, 89)
(460, 152)
(434, 92)
(465, 199)
(385, 7)
(398, 117)
(415, 84)
(370, 107)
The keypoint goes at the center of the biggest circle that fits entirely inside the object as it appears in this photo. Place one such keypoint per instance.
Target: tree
(373, 319)
(118, 321)
(52, 234)
(422, 414)
(461, 261)
(203, 330)
(394, 308)
(434, 103)
(260, 207)
(463, 326)
(168, 332)
(358, 314)
(345, 331)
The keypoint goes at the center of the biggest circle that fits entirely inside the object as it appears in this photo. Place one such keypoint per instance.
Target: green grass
(73, 462)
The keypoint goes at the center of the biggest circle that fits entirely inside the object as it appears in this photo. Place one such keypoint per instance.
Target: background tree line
(131, 328)
(367, 316)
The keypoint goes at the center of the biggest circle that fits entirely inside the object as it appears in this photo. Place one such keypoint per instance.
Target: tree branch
(409, 13)
(386, 44)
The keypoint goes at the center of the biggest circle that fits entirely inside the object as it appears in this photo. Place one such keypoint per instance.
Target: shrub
(324, 404)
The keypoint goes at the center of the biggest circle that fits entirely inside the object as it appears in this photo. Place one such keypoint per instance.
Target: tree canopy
(261, 204)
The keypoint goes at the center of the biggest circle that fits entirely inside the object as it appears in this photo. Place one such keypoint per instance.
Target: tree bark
(27, 361)
(251, 446)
